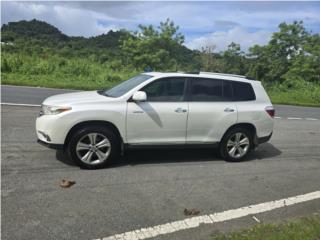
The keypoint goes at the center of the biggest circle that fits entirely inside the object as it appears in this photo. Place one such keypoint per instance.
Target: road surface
(148, 188)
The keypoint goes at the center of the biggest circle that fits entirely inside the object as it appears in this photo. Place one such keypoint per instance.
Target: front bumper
(50, 145)
(51, 129)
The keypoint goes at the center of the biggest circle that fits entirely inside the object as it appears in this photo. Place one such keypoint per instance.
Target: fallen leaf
(66, 183)
(191, 212)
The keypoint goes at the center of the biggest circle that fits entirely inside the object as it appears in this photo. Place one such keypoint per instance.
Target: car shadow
(157, 156)
(185, 155)
(64, 158)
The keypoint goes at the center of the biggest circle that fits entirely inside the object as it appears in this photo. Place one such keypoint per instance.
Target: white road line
(21, 104)
(278, 117)
(16, 86)
(194, 222)
(294, 118)
(312, 119)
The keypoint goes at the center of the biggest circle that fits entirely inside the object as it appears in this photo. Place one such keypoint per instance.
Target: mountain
(39, 34)
(31, 29)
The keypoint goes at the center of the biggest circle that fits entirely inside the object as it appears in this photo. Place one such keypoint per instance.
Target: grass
(105, 79)
(307, 228)
(294, 97)
(65, 81)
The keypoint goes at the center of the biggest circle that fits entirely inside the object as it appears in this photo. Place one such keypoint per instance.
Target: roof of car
(201, 74)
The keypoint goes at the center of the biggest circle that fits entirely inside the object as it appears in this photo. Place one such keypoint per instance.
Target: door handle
(229, 110)
(180, 110)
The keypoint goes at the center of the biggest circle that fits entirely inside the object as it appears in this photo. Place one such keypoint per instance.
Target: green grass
(65, 81)
(104, 78)
(297, 98)
(307, 228)
(306, 94)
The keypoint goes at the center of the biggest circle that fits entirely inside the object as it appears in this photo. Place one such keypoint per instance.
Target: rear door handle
(180, 110)
(229, 110)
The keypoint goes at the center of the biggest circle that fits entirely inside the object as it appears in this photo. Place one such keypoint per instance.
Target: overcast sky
(202, 23)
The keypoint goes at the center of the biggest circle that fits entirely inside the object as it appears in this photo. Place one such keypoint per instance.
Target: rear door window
(206, 90)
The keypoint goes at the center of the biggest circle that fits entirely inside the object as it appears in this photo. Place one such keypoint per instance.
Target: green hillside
(36, 53)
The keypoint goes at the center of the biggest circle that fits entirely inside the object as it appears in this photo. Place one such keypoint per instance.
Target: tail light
(270, 110)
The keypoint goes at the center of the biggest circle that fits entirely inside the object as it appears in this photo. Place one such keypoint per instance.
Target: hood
(75, 98)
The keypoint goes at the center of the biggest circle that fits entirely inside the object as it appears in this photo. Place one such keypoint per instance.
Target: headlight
(51, 110)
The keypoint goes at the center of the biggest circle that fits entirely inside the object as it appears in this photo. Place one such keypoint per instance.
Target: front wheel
(236, 145)
(94, 147)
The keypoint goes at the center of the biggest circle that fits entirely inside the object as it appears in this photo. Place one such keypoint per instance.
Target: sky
(202, 23)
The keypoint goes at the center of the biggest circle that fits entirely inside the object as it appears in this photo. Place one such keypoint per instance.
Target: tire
(94, 147)
(236, 144)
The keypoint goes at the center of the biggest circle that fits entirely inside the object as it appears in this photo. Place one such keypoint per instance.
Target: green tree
(234, 60)
(151, 47)
(273, 61)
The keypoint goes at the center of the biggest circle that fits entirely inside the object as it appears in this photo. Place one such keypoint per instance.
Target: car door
(162, 118)
(211, 110)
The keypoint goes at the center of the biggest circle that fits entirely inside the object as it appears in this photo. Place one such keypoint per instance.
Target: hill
(39, 54)
(35, 33)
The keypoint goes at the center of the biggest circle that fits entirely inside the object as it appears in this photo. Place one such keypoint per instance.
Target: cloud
(220, 22)
(240, 35)
(71, 21)
(224, 24)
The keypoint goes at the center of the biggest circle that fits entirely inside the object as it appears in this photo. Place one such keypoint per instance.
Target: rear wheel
(94, 147)
(236, 144)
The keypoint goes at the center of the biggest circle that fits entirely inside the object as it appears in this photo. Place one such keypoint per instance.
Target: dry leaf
(191, 212)
(66, 183)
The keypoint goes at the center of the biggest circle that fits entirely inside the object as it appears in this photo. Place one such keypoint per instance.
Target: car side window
(243, 91)
(227, 90)
(165, 90)
(206, 90)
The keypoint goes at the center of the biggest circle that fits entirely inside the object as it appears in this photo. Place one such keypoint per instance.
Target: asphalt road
(32, 95)
(147, 188)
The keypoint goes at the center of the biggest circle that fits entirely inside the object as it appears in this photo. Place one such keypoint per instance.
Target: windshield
(126, 86)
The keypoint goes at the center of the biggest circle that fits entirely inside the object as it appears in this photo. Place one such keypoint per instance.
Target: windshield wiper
(103, 93)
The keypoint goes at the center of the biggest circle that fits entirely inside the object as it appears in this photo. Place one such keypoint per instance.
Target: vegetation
(307, 228)
(35, 53)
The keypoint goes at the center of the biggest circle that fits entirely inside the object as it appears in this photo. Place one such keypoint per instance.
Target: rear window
(218, 90)
(243, 91)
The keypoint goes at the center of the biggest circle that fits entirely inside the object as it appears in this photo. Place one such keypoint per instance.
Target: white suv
(159, 109)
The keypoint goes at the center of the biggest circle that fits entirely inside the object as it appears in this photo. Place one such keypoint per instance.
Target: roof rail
(223, 74)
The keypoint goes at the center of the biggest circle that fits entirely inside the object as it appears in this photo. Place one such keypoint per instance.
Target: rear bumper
(264, 139)
(50, 145)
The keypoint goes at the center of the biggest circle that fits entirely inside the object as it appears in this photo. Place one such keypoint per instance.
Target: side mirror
(139, 96)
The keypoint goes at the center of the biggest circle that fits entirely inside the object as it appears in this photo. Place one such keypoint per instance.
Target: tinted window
(243, 91)
(126, 86)
(206, 90)
(227, 90)
(165, 90)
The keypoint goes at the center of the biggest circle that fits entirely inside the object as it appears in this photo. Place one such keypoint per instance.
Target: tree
(207, 57)
(153, 48)
(234, 59)
(273, 61)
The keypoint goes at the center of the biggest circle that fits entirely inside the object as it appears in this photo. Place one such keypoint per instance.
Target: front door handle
(229, 110)
(180, 110)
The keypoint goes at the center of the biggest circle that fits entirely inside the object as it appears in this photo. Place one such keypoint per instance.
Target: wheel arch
(249, 126)
(92, 123)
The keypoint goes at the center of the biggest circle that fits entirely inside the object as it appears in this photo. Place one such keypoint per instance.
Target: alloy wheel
(93, 148)
(238, 145)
